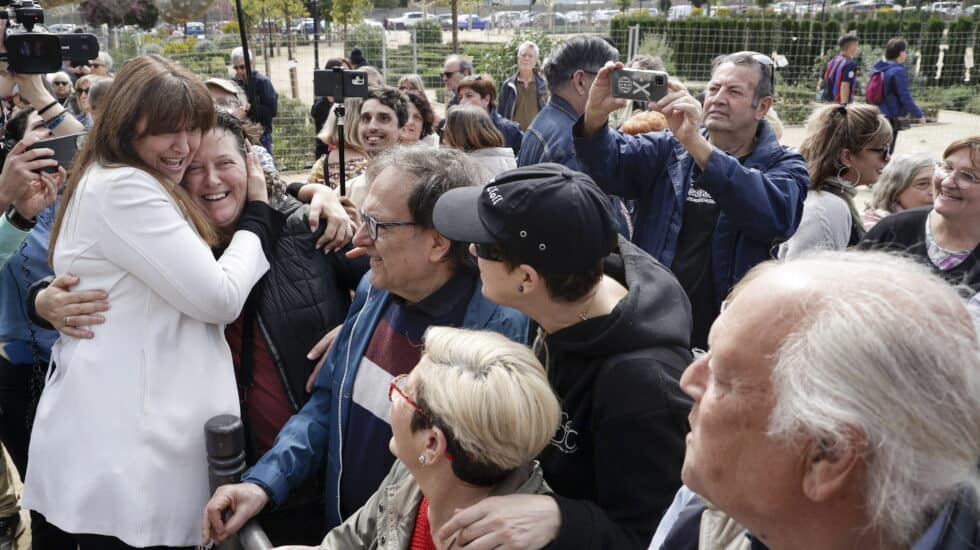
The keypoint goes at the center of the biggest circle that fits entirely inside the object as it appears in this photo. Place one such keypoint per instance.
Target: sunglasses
(765, 61)
(59, 83)
(97, 64)
(449, 74)
(81, 91)
(883, 151)
(490, 252)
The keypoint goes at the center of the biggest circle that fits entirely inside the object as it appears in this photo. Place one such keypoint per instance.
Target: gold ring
(67, 320)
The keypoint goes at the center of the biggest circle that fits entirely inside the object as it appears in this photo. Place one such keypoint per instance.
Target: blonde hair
(352, 114)
(833, 128)
(469, 128)
(492, 394)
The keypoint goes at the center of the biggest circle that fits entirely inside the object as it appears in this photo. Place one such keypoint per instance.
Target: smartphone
(639, 85)
(340, 84)
(64, 148)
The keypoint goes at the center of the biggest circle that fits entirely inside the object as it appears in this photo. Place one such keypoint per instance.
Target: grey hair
(105, 59)
(528, 44)
(898, 176)
(763, 88)
(375, 72)
(587, 53)
(436, 171)
(648, 62)
(896, 360)
(98, 90)
(239, 53)
(465, 63)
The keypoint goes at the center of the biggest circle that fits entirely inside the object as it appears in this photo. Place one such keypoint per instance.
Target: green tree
(116, 13)
(623, 5)
(177, 12)
(349, 12)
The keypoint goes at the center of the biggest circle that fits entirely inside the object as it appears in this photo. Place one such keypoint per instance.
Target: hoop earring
(840, 173)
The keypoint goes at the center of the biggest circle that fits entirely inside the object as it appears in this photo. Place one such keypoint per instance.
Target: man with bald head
(852, 420)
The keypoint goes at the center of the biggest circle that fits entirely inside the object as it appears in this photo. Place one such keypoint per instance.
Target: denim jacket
(761, 197)
(549, 137)
(314, 437)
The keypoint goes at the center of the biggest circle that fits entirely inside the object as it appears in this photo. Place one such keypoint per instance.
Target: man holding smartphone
(712, 201)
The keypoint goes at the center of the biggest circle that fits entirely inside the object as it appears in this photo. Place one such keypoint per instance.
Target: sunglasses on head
(763, 60)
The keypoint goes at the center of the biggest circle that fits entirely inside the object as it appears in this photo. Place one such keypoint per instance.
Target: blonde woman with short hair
(466, 425)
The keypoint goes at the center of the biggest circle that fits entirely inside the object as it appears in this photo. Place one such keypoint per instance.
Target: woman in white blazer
(117, 455)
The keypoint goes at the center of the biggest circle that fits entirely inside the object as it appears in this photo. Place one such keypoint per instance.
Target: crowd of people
(542, 318)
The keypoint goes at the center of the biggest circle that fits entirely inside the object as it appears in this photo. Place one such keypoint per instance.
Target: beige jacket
(387, 519)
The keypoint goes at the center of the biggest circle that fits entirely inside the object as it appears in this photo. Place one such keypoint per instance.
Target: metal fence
(941, 61)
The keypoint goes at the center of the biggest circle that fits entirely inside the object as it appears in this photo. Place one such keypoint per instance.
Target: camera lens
(659, 80)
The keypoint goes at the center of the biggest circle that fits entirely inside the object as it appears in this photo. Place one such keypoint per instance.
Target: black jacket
(305, 294)
(616, 459)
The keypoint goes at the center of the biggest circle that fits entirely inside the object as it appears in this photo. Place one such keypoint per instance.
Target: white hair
(886, 349)
(898, 175)
(105, 59)
(528, 44)
(239, 53)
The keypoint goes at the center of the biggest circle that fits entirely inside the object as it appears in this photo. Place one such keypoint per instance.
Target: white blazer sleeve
(146, 235)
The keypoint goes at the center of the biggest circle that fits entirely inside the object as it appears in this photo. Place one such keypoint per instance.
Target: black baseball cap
(546, 215)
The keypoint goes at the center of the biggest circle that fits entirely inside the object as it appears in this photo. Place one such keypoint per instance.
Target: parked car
(408, 20)
(950, 9)
(550, 19)
(603, 16)
(305, 26)
(574, 17)
(472, 22)
(194, 28)
(372, 23)
(679, 12)
(61, 27)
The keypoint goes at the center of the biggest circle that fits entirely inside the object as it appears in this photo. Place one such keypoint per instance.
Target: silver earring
(840, 173)
(422, 460)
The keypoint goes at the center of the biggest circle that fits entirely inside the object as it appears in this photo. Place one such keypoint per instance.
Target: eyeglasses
(373, 225)
(449, 74)
(393, 388)
(489, 252)
(60, 83)
(81, 91)
(962, 179)
(765, 61)
(883, 151)
(97, 64)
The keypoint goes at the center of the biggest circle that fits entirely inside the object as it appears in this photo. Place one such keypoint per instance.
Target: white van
(679, 12)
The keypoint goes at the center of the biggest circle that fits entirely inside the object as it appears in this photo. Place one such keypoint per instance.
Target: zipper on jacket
(277, 361)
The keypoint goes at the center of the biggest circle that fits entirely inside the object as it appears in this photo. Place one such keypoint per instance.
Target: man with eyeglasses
(418, 278)
(102, 64)
(266, 105)
(614, 338)
(711, 201)
(456, 68)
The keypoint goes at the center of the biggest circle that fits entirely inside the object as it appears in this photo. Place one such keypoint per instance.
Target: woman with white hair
(466, 424)
(905, 183)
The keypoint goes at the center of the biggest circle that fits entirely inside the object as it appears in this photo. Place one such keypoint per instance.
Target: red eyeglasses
(394, 388)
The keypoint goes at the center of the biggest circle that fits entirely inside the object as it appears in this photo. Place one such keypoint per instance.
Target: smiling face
(217, 179)
(378, 127)
(468, 96)
(730, 459)
(919, 192)
(955, 198)
(401, 256)
(412, 130)
(170, 153)
(728, 99)
(61, 85)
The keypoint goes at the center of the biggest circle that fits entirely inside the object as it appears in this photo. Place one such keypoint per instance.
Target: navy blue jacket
(513, 136)
(897, 99)
(313, 438)
(266, 101)
(508, 95)
(761, 198)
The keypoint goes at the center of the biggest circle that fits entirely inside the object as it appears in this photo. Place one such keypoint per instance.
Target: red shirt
(265, 403)
(421, 538)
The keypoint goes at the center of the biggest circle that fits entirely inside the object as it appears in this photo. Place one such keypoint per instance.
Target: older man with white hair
(523, 95)
(851, 421)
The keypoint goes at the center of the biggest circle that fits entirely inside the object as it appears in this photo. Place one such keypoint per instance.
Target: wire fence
(940, 64)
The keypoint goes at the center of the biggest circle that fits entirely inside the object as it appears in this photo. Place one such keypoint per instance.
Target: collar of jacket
(564, 106)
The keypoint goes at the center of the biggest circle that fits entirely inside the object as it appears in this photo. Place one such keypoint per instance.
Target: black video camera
(30, 52)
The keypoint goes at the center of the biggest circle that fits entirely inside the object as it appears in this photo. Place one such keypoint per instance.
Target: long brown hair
(833, 128)
(469, 128)
(168, 98)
